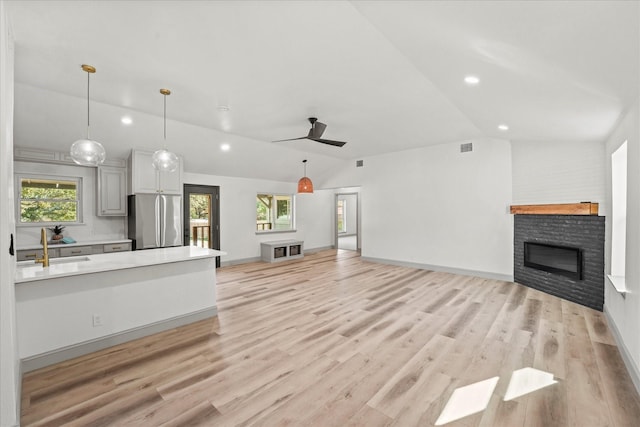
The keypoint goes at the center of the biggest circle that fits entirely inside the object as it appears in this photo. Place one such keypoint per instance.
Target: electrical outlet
(97, 320)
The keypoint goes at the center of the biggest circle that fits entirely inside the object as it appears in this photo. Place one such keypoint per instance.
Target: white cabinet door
(146, 179)
(171, 182)
(112, 196)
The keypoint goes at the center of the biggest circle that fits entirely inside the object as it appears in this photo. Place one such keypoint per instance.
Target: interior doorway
(202, 217)
(347, 232)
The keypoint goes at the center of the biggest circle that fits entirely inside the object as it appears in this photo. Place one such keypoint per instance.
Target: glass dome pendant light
(305, 185)
(87, 152)
(164, 160)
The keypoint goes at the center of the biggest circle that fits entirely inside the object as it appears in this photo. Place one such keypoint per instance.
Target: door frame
(335, 218)
(214, 232)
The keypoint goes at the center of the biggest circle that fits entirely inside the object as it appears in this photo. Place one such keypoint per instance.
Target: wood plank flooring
(332, 340)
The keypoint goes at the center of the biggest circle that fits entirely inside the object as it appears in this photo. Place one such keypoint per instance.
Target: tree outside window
(49, 200)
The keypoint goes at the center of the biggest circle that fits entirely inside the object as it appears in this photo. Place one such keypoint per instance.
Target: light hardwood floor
(332, 340)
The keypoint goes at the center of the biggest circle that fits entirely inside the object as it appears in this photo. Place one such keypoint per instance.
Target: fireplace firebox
(585, 232)
(563, 260)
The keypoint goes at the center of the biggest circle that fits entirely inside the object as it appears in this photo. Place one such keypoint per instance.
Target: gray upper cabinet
(146, 179)
(112, 191)
(60, 157)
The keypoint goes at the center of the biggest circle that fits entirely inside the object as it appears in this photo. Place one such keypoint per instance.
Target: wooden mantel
(583, 208)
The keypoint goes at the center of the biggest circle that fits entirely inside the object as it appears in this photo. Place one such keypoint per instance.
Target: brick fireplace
(582, 234)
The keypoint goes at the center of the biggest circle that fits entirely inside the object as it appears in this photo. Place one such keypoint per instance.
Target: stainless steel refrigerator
(155, 220)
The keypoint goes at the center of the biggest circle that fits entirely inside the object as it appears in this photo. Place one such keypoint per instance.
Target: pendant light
(87, 152)
(164, 160)
(305, 185)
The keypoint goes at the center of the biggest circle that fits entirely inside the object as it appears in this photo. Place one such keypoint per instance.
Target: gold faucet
(45, 249)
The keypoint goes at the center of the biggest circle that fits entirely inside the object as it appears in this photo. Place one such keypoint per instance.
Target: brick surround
(583, 231)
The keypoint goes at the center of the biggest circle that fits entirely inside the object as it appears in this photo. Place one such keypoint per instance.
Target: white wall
(238, 238)
(93, 227)
(624, 312)
(558, 172)
(440, 208)
(9, 360)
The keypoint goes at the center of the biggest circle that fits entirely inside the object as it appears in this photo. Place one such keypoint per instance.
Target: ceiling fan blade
(317, 130)
(329, 142)
(290, 139)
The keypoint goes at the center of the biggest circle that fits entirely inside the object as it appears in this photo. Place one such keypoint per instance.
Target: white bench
(281, 250)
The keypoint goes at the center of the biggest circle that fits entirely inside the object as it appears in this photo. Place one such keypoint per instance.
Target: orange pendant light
(305, 185)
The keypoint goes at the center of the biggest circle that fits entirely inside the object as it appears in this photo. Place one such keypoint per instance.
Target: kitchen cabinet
(74, 249)
(32, 254)
(112, 191)
(38, 155)
(114, 247)
(146, 179)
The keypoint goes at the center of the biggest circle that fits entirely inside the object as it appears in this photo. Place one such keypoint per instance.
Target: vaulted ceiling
(383, 75)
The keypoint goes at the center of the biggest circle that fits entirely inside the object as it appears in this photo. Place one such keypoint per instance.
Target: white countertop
(29, 271)
(69, 245)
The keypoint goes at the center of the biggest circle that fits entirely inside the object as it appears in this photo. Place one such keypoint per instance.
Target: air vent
(465, 148)
(359, 163)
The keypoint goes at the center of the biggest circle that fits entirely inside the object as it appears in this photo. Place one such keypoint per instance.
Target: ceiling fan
(316, 131)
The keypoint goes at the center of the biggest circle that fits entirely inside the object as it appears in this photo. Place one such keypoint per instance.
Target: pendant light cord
(88, 80)
(165, 121)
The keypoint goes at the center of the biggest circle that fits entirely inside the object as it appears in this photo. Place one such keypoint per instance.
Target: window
(274, 212)
(342, 221)
(618, 215)
(49, 200)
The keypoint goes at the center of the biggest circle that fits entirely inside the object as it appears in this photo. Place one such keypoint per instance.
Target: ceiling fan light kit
(305, 185)
(163, 159)
(87, 152)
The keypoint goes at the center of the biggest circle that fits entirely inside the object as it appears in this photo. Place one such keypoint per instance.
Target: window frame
(292, 222)
(619, 208)
(19, 177)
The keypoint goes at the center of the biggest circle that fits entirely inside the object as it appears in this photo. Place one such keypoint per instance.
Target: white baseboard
(314, 250)
(239, 261)
(632, 368)
(55, 356)
(461, 271)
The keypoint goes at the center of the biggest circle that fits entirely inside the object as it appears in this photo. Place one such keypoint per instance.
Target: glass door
(201, 213)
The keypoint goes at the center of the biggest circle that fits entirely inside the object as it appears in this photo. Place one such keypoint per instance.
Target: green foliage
(199, 206)
(57, 229)
(48, 204)
(282, 208)
(262, 211)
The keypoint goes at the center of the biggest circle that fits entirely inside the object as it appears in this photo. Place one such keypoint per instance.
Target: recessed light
(126, 120)
(471, 80)
(225, 147)
(503, 127)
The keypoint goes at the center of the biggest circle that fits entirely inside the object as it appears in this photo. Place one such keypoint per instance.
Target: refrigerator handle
(157, 221)
(164, 220)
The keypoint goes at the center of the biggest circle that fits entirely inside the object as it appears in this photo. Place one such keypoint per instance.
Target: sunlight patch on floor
(527, 380)
(467, 400)
(474, 398)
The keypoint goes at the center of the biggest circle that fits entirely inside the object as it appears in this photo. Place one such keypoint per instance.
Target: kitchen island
(78, 305)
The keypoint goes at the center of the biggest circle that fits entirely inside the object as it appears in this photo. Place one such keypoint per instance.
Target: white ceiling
(383, 75)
